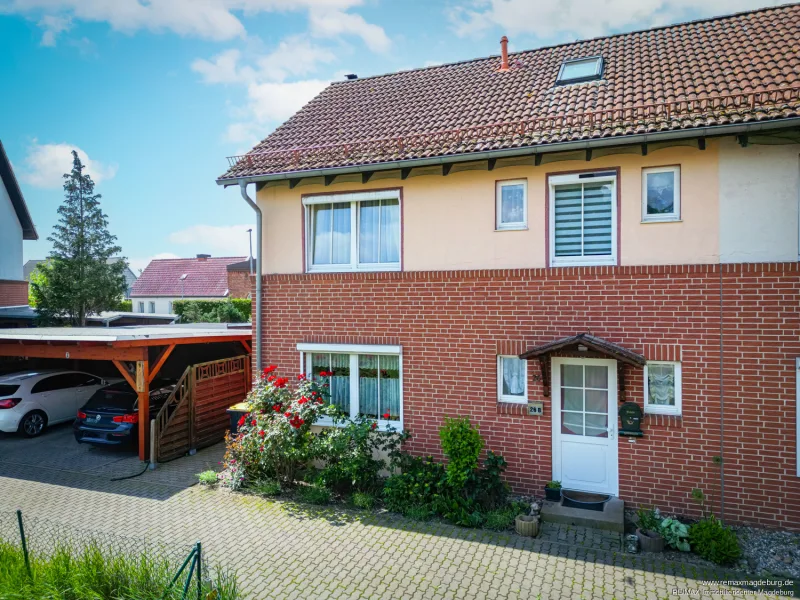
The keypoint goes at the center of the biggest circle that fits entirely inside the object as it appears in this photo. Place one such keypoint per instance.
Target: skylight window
(578, 70)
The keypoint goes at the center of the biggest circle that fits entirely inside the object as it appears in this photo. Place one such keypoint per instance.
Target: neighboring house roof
(241, 266)
(735, 69)
(17, 200)
(206, 278)
(30, 265)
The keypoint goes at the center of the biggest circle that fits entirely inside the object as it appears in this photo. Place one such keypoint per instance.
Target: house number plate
(536, 408)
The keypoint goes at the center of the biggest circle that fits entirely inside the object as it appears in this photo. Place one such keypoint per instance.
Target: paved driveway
(284, 550)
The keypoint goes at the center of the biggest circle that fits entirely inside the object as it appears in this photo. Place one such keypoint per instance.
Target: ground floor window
(662, 388)
(512, 379)
(364, 380)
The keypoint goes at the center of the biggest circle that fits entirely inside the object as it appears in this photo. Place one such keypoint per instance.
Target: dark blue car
(111, 416)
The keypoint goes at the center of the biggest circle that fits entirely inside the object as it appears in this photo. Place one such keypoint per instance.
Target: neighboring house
(165, 280)
(585, 225)
(16, 225)
(130, 276)
(240, 282)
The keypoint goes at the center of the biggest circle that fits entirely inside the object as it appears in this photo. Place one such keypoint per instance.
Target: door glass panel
(596, 377)
(572, 375)
(572, 423)
(596, 425)
(596, 401)
(572, 399)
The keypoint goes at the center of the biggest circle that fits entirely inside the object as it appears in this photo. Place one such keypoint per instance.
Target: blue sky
(156, 93)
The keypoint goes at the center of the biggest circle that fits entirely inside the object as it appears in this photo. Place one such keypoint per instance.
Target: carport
(138, 353)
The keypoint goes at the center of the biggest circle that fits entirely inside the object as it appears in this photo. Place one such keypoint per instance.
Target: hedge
(231, 310)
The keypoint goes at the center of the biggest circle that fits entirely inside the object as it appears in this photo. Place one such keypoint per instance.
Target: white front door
(585, 424)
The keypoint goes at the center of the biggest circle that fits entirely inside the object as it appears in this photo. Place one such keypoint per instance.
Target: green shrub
(267, 487)
(313, 494)
(713, 541)
(462, 445)
(230, 310)
(501, 519)
(207, 477)
(125, 306)
(486, 485)
(459, 510)
(675, 534)
(420, 482)
(648, 520)
(363, 500)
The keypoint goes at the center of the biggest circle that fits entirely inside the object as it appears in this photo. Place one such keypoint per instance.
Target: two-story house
(577, 227)
(16, 225)
(165, 280)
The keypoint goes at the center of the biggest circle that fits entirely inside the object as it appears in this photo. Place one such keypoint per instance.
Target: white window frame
(141, 306)
(675, 215)
(598, 70)
(498, 192)
(354, 350)
(511, 399)
(660, 409)
(169, 307)
(151, 307)
(581, 261)
(354, 199)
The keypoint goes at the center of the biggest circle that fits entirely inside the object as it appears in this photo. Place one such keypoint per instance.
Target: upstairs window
(661, 194)
(583, 219)
(579, 70)
(512, 204)
(348, 232)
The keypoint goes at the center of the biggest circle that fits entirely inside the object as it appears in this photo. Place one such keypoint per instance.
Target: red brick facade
(452, 325)
(13, 293)
(239, 284)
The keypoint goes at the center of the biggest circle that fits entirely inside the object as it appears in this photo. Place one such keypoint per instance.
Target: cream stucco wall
(449, 222)
(759, 196)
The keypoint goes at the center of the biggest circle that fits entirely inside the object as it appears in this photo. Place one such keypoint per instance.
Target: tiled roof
(205, 278)
(726, 70)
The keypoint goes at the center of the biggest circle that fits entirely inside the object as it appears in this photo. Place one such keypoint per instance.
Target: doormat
(584, 500)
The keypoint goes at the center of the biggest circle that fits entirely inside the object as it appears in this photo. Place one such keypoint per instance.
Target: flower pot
(527, 525)
(552, 494)
(650, 541)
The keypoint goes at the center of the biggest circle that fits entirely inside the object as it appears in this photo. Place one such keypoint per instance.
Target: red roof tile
(732, 69)
(205, 278)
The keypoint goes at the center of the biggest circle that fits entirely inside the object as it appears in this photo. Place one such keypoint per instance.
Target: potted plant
(527, 525)
(648, 528)
(552, 491)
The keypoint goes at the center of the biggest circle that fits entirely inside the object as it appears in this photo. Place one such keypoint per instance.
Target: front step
(611, 518)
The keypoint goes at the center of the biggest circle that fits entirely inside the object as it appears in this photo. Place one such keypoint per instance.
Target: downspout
(259, 279)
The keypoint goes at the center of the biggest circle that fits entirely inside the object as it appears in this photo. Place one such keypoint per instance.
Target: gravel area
(764, 551)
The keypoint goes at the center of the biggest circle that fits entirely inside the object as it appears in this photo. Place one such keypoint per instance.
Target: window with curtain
(511, 209)
(661, 194)
(662, 388)
(152, 307)
(362, 384)
(583, 219)
(512, 379)
(354, 233)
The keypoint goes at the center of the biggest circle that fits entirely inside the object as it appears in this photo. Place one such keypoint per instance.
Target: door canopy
(583, 344)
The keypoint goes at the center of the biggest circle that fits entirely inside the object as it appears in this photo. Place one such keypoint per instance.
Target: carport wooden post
(143, 389)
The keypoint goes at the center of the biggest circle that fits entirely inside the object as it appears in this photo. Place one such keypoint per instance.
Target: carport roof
(143, 333)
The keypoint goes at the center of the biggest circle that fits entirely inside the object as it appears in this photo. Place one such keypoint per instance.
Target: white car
(32, 400)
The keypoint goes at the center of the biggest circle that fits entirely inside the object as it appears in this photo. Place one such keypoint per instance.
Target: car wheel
(33, 424)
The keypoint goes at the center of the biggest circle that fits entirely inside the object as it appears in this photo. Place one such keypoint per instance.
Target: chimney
(202, 257)
(503, 53)
(351, 76)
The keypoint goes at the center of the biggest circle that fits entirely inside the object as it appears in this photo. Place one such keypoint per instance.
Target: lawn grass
(93, 572)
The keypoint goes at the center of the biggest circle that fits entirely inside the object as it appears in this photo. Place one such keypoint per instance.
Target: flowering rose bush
(274, 440)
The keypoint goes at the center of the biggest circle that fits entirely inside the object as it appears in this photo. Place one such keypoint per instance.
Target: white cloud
(223, 68)
(53, 25)
(333, 23)
(270, 102)
(217, 240)
(552, 19)
(138, 264)
(46, 164)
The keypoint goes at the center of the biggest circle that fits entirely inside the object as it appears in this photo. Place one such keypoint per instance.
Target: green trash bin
(236, 412)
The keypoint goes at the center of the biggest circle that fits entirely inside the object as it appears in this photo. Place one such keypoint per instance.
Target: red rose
(374, 425)
(253, 422)
(241, 421)
(386, 415)
(301, 377)
(270, 369)
(262, 433)
(271, 378)
(301, 421)
(281, 382)
(287, 414)
(302, 400)
(276, 407)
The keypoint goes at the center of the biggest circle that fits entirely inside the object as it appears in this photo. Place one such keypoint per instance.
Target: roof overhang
(584, 342)
(17, 200)
(628, 140)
